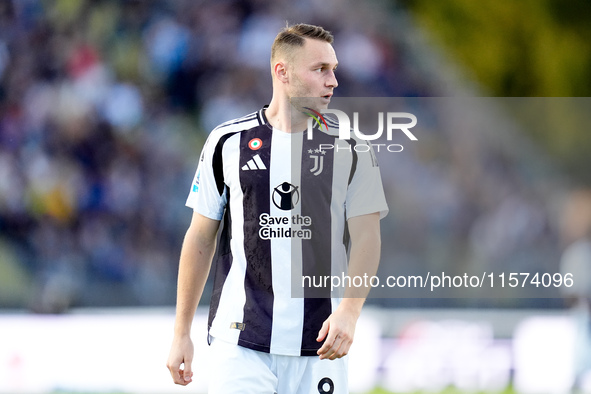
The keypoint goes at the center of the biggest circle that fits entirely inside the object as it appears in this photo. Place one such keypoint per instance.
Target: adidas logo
(254, 164)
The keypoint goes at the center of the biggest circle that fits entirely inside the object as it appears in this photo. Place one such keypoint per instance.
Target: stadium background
(104, 106)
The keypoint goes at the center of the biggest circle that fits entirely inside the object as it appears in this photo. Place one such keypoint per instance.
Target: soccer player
(288, 208)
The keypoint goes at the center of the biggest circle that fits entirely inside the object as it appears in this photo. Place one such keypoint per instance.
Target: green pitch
(450, 390)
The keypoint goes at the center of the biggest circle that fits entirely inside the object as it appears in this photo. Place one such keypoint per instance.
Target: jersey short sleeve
(366, 192)
(205, 196)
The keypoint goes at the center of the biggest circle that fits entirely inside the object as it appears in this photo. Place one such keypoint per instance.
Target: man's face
(311, 74)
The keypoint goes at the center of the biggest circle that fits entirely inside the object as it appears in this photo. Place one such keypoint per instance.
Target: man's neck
(283, 116)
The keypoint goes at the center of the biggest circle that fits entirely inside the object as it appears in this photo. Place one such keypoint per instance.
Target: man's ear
(280, 72)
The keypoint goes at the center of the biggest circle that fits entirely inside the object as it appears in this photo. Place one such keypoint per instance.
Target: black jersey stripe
(354, 159)
(353, 144)
(217, 162)
(258, 282)
(263, 115)
(260, 115)
(316, 252)
(223, 263)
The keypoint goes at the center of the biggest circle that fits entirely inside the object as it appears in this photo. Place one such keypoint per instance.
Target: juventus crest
(317, 156)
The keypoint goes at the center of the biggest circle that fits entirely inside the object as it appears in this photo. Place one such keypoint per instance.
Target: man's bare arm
(339, 328)
(195, 262)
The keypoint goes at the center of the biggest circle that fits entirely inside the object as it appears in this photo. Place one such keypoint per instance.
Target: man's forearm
(195, 262)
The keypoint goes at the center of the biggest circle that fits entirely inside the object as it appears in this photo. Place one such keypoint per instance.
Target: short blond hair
(295, 35)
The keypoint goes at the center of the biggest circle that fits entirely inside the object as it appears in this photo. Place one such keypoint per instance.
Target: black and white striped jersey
(284, 201)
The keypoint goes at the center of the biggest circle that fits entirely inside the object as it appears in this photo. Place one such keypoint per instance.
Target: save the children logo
(286, 196)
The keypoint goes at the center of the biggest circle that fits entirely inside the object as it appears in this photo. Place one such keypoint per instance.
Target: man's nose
(332, 80)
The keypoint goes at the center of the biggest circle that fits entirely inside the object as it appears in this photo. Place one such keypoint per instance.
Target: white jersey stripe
(286, 337)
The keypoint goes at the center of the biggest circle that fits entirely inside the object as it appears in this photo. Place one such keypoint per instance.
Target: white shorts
(236, 369)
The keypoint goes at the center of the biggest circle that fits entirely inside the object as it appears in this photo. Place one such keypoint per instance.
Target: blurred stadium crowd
(104, 106)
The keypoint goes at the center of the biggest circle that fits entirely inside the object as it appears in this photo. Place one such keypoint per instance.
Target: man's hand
(339, 330)
(181, 353)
